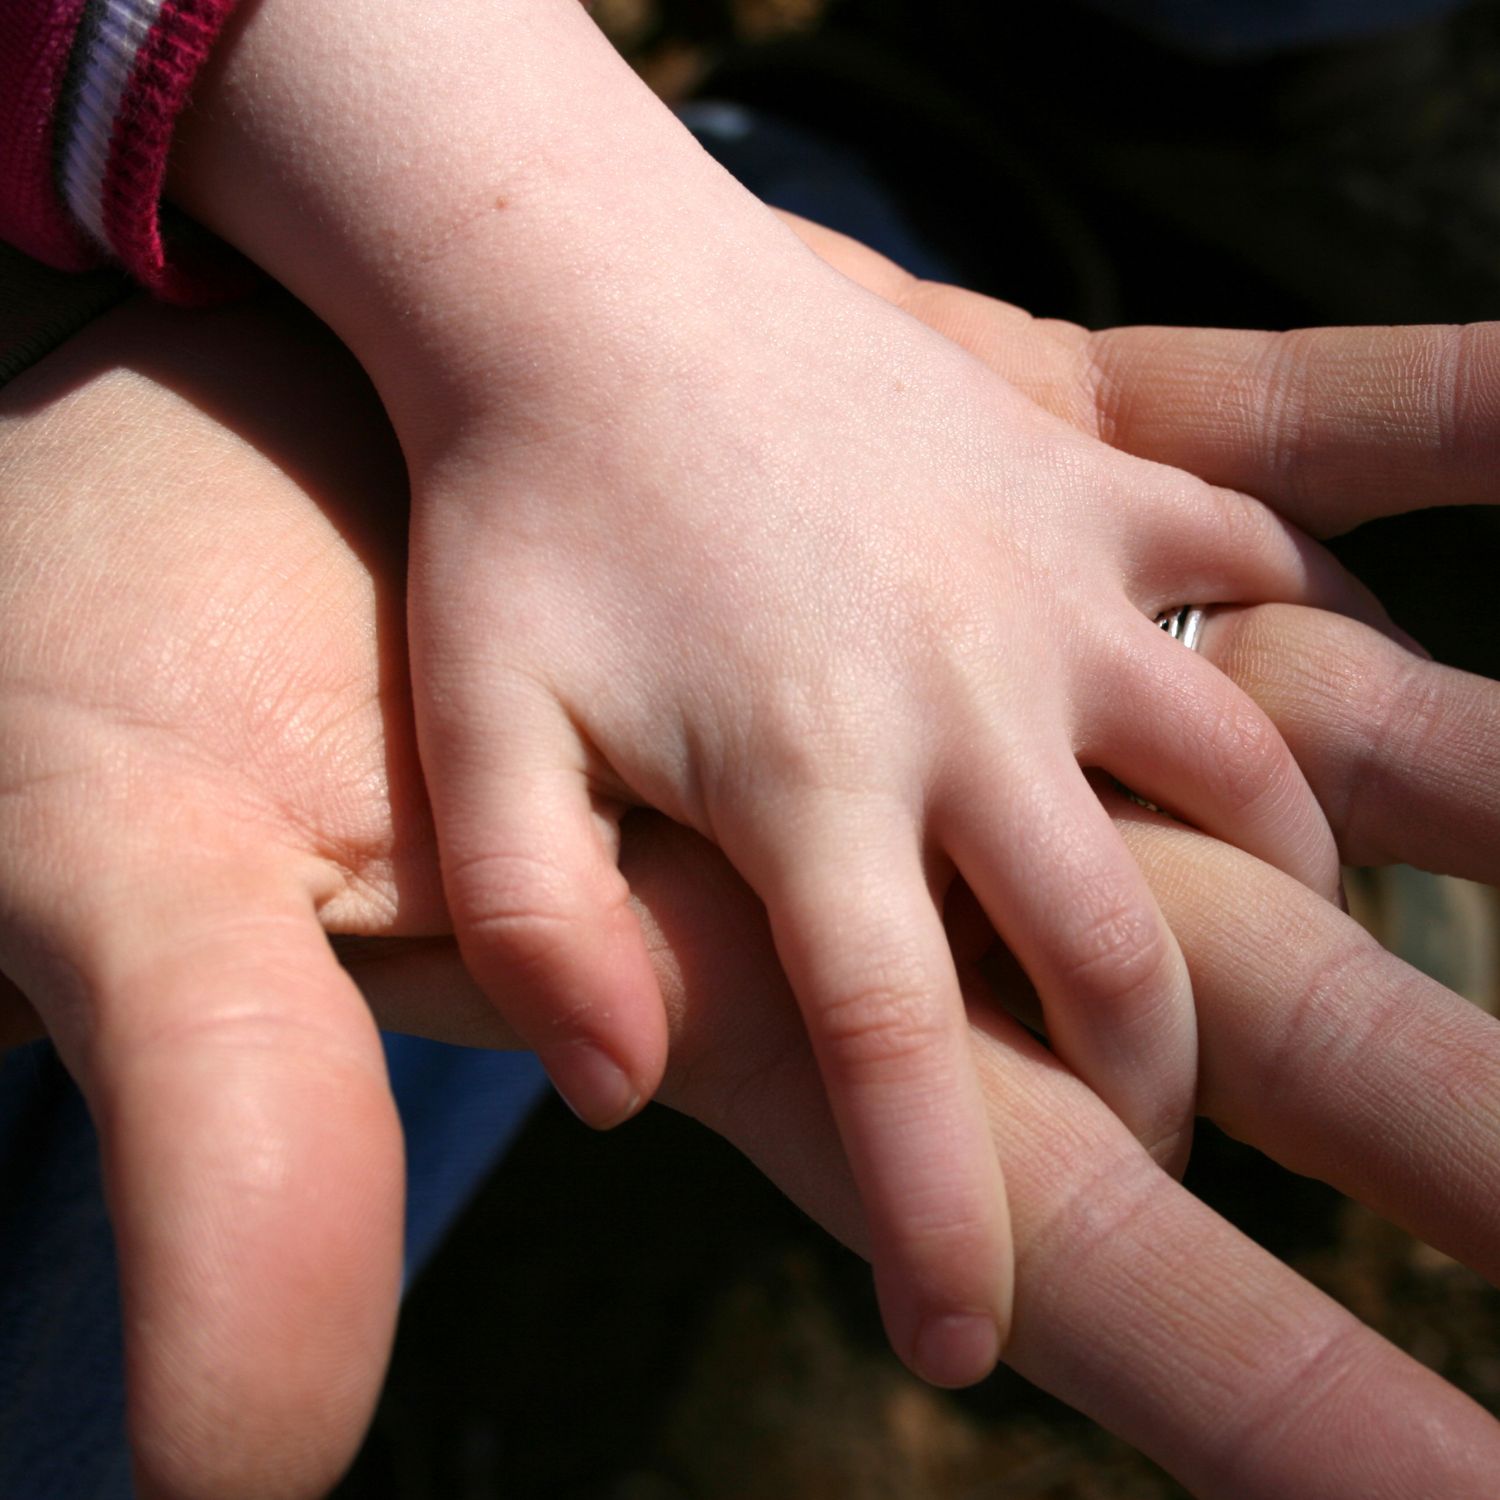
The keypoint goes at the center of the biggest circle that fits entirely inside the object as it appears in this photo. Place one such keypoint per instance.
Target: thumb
(253, 1167)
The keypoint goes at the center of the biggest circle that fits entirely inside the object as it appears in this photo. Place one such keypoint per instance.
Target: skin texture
(209, 762)
(700, 525)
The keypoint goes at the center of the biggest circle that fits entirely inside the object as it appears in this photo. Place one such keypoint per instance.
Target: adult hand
(207, 753)
(1332, 426)
(211, 753)
(1134, 1302)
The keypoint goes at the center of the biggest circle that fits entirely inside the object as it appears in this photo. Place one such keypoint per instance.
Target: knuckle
(1091, 1212)
(1468, 360)
(1117, 958)
(950, 1227)
(806, 731)
(829, 724)
(1283, 409)
(1243, 758)
(1318, 1036)
(522, 905)
(809, 735)
(881, 1022)
(1103, 389)
(1404, 718)
(1318, 1367)
(946, 1247)
(1246, 528)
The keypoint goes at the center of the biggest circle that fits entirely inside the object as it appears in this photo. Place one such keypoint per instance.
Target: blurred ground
(640, 1317)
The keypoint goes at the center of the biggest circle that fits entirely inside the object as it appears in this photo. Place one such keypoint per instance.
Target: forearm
(535, 177)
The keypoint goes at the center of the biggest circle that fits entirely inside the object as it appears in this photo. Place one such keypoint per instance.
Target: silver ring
(1185, 624)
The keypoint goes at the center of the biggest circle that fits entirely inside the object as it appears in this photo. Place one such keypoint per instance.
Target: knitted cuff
(36, 41)
(132, 68)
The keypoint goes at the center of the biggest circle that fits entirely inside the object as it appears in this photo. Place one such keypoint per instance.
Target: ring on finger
(1184, 623)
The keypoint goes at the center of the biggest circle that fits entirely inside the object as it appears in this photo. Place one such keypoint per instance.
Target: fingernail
(955, 1350)
(592, 1084)
(1171, 1151)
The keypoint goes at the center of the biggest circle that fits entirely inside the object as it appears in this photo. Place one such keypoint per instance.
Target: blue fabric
(61, 1397)
(61, 1403)
(1229, 28)
(793, 169)
(460, 1109)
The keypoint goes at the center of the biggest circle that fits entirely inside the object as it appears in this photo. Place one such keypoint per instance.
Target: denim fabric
(61, 1398)
(61, 1402)
(460, 1109)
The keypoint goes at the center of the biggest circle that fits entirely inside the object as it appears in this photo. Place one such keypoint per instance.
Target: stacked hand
(210, 763)
(700, 525)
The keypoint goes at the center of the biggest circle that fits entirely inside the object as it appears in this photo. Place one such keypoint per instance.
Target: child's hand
(841, 600)
(699, 524)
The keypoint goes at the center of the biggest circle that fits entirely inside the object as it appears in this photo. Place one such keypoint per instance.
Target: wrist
(481, 201)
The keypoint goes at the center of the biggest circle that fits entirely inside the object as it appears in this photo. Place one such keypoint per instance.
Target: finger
(1333, 426)
(1140, 1306)
(1333, 1055)
(1194, 543)
(1177, 731)
(419, 987)
(867, 956)
(539, 906)
(1135, 1302)
(253, 1168)
(1067, 899)
(1403, 754)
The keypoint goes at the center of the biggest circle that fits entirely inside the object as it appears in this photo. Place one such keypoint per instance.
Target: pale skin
(701, 525)
(210, 763)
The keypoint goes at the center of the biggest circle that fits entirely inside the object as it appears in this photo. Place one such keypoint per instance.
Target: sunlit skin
(206, 730)
(699, 524)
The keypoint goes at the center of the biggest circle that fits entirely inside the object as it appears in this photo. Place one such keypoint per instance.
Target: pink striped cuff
(134, 66)
(36, 41)
(90, 92)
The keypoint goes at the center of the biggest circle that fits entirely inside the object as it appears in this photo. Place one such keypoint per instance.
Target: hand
(1331, 426)
(1134, 1302)
(698, 526)
(201, 771)
(207, 754)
